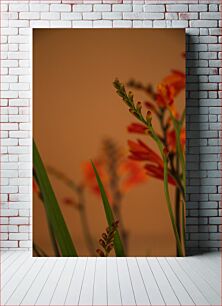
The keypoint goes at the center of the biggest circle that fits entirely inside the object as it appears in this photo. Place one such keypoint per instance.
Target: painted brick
(122, 7)
(210, 15)
(70, 16)
(112, 15)
(154, 8)
(82, 24)
(53, 15)
(82, 8)
(29, 15)
(122, 24)
(39, 7)
(180, 23)
(8, 244)
(102, 7)
(18, 7)
(92, 15)
(102, 24)
(177, 8)
(197, 7)
(203, 23)
(137, 7)
(18, 236)
(60, 8)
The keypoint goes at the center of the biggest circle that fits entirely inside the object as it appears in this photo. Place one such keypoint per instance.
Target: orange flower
(165, 95)
(176, 80)
(90, 178)
(133, 173)
(169, 88)
(130, 174)
(154, 167)
(171, 139)
(137, 128)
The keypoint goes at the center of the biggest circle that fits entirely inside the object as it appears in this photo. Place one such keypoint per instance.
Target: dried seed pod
(109, 247)
(107, 242)
(102, 243)
(104, 236)
(100, 253)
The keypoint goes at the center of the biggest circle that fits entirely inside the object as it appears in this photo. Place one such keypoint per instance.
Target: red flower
(140, 151)
(154, 166)
(157, 172)
(137, 128)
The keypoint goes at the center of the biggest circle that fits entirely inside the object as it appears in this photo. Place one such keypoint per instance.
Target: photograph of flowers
(109, 142)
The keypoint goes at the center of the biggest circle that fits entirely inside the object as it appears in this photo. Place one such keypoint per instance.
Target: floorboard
(27, 280)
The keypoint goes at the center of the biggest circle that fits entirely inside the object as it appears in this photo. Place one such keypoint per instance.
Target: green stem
(177, 212)
(86, 231)
(136, 111)
(123, 232)
(166, 189)
(177, 127)
(169, 206)
(183, 225)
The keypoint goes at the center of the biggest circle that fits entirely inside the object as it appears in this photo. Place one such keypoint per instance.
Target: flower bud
(149, 117)
(100, 253)
(132, 111)
(139, 106)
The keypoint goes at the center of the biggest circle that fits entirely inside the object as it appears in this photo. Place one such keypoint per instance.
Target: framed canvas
(109, 142)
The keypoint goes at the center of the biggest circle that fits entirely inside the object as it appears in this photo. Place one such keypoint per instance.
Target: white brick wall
(201, 20)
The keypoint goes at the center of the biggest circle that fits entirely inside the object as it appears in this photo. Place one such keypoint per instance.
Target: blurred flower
(176, 80)
(169, 88)
(68, 201)
(171, 139)
(90, 178)
(165, 95)
(140, 151)
(130, 174)
(35, 187)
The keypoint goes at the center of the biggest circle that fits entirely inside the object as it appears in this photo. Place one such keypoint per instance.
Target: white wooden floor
(110, 281)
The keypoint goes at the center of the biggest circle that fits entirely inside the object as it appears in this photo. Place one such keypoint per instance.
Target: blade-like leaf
(52, 208)
(118, 246)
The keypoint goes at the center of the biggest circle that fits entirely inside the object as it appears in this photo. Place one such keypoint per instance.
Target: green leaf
(118, 246)
(52, 208)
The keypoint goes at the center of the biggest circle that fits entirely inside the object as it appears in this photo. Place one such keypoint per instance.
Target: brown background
(75, 106)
